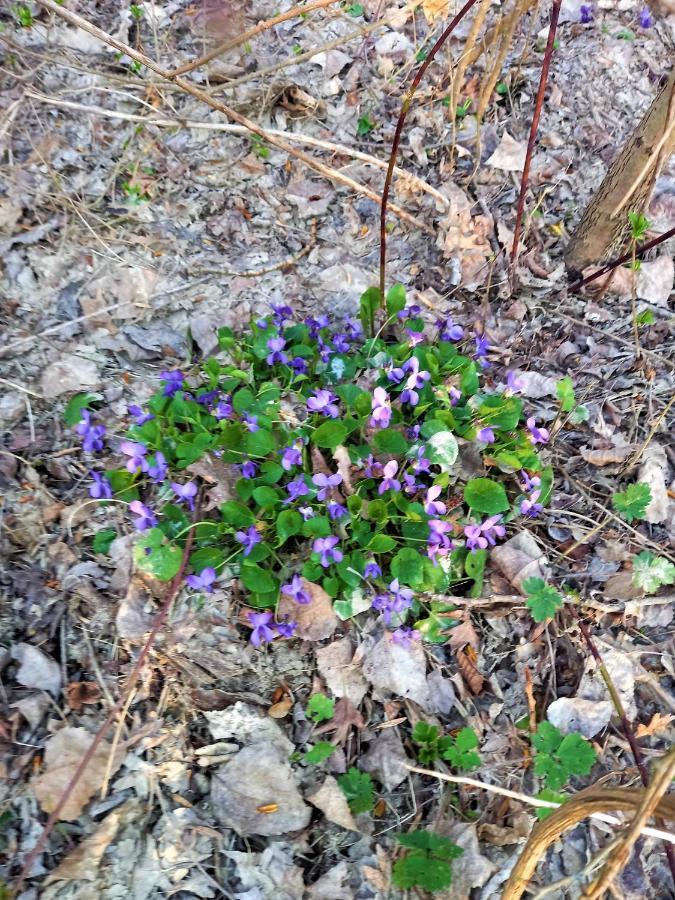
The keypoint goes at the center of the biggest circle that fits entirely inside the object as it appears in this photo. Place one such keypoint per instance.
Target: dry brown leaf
(656, 725)
(220, 475)
(463, 634)
(80, 692)
(281, 709)
(341, 670)
(466, 663)
(520, 558)
(344, 467)
(330, 799)
(82, 863)
(63, 754)
(509, 155)
(345, 715)
(316, 620)
(607, 457)
(435, 9)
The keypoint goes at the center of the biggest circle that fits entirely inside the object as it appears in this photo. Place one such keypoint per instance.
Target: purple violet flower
(203, 581)
(404, 636)
(296, 488)
(432, 506)
(372, 468)
(372, 570)
(299, 365)
(306, 512)
(439, 544)
(281, 313)
(416, 378)
(411, 485)
(381, 409)
(474, 538)
(324, 402)
(294, 590)
(276, 355)
(262, 633)
(315, 325)
(414, 337)
(224, 409)
(326, 483)
(327, 550)
(139, 415)
(530, 483)
(325, 350)
(455, 396)
(585, 13)
(398, 600)
(206, 398)
(173, 382)
(396, 375)
(537, 435)
(514, 383)
(146, 517)
(286, 629)
(482, 347)
(100, 489)
(409, 312)
(413, 432)
(248, 539)
(92, 435)
(157, 472)
(249, 469)
(336, 510)
(291, 456)
(352, 328)
(492, 529)
(486, 435)
(389, 481)
(448, 331)
(645, 18)
(136, 453)
(341, 343)
(185, 493)
(251, 422)
(421, 464)
(530, 507)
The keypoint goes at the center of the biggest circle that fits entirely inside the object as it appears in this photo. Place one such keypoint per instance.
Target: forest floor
(134, 222)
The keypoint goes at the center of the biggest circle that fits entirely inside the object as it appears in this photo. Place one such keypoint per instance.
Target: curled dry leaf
(63, 754)
(653, 473)
(344, 467)
(316, 620)
(607, 457)
(82, 863)
(37, 670)
(466, 663)
(80, 692)
(657, 724)
(519, 559)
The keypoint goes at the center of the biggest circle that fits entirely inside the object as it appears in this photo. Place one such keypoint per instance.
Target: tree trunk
(627, 186)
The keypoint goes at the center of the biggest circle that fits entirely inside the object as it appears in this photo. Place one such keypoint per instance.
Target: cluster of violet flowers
(586, 16)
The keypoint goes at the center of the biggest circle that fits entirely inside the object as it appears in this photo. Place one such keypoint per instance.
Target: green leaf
(543, 601)
(580, 414)
(103, 539)
(501, 412)
(257, 579)
(352, 603)
(259, 443)
(357, 787)
(565, 392)
(395, 299)
(73, 411)
(461, 754)
(330, 434)
(390, 441)
(236, 514)
(474, 566)
(558, 758)
(552, 797)
(320, 708)
(408, 567)
(154, 555)
(633, 502)
(289, 523)
(243, 400)
(382, 543)
(486, 496)
(317, 526)
(651, 572)
(370, 302)
(319, 752)
(646, 317)
(427, 864)
(442, 449)
(437, 844)
(266, 496)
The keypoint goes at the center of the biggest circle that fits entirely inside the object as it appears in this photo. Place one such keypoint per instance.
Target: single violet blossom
(136, 453)
(100, 489)
(146, 517)
(224, 409)
(397, 601)
(530, 507)
(449, 331)
(432, 506)
(389, 481)
(296, 488)
(421, 464)
(276, 355)
(286, 629)
(372, 468)
(299, 365)
(585, 13)
(306, 512)
(530, 483)
(295, 590)
(455, 395)
(486, 435)
(415, 381)
(327, 550)
(326, 483)
(493, 529)
(336, 510)
(92, 435)
(415, 338)
(413, 432)
(396, 375)
(474, 538)
(204, 581)
(438, 543)
(281, 312)
(405, 637)
(645, 18)
(248, 539)
(372, 570)
(262, 632)
(185, 493)
(514, 383)
(291, 456)
(341, 343)
(537, 435)
(482, 347)
(249, 469)
(324, 402)
(410, 312)
(410, 484)
(352, 328)
(206, 398)
(158, 470)
(173, 382)
(381, 409)
(140, 416)
(251, 422)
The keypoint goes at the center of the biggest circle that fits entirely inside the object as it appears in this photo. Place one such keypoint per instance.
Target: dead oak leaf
(345, 716)
(466, 663)
(656, 725)
(80, 692)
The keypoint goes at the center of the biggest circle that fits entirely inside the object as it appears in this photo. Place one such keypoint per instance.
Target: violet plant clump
(348, 456)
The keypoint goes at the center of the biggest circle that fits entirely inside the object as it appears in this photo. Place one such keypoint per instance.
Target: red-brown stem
(157, 624)
(627, 729)
(407, 100)
(619, 261)
(543, 80)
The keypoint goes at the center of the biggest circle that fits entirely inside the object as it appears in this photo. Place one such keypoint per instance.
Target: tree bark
(627, 186)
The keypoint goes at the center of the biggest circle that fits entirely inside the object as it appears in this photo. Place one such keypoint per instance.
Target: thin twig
(620, 260)
(157, 624)
(293, 13)
(253, 127)
(534, 127)
(405, 106)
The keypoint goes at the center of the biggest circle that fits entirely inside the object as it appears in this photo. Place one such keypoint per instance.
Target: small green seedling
(354, 9)
(633, 502)
(364, 126)
(543, 600)
(24, 15)
(427, 864)
(259, 148)
(646, 317)
(558, 758)
(459, 751)
(357, 787)
(320, 708)
(651, 572)
(463, 108)
(319, 753)
(136, 11)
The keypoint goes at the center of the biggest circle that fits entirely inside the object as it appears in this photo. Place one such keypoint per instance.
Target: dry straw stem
(232, 114)
(330, 146)
(121, 705)
(293, 13)
(593, 803)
